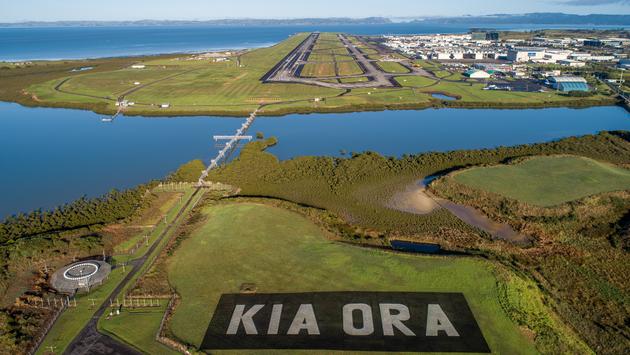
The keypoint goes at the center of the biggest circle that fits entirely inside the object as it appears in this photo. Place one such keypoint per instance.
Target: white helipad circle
(81, 271)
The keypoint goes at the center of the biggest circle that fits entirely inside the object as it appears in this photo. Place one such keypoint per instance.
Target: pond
(443, 97)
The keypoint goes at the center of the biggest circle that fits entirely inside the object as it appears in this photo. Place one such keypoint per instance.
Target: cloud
(596, 2)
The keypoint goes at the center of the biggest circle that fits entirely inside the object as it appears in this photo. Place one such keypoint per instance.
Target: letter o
(367, 326)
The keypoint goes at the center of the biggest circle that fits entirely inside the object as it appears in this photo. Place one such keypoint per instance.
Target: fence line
(46, 329)
(164, 340)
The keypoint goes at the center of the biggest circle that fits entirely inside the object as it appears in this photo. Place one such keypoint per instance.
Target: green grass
(428, 65)
(358, 79)
(414, 81)
(268, 246)
(321, 57)
(199, 86)
(392, 67)
(169, 208)
(138, 327)
(318, 70)
(548, 181)
(442, 73)
(349, 68)
(202, 87)
(71, 321)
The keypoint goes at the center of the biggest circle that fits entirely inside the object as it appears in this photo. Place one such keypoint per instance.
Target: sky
(50, 10)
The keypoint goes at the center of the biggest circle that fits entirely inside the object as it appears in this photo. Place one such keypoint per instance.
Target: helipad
(80, 276)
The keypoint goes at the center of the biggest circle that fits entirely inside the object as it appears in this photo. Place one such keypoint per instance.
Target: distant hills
(539, 18)
(225, 22)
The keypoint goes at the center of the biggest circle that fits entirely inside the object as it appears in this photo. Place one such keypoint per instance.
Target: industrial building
(476, 74)
(525, 54)
(572, 63)
(568, 83)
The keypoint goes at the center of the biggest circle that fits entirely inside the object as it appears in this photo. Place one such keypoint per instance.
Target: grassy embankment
(578, 210)
(124, 327)
(202, 86)
(357, 189)
(548, 181)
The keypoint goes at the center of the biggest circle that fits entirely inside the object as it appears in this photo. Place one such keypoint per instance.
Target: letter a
(437, 320)
(239, 317)
(395, 320)
(304, 319)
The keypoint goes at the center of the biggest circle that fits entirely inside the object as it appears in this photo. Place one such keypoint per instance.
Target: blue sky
(49, 10)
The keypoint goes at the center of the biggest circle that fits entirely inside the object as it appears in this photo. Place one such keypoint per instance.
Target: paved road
(89, 340)
(287, 70)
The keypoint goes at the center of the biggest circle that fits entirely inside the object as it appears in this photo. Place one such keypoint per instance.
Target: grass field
(278, 245)
(234, 87)
(415, 81)
(548, 181)
(318, 70)
(392, 67)
(321, 57)
(138, 327)
(349, 68)
(358, 79)
(195, 85)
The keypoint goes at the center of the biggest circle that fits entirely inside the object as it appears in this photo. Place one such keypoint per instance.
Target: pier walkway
(231, 144)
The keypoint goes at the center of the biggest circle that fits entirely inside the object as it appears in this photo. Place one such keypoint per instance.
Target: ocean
(48, 43)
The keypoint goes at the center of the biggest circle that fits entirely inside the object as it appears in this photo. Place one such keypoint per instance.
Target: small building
(547, 73)
(601, 58)
(166, 105)
(568, 83)
(138, 66)
(624, 64)
(593, 43)
(476, 74)
(556, 55)
(571, 63)
(81, 276)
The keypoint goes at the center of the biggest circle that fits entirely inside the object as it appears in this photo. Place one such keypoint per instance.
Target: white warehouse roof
(568, 79)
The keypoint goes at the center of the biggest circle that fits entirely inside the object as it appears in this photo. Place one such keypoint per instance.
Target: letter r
(395, 320)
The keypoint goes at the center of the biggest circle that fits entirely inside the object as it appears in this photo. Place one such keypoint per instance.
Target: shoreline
(141, 55)
(434, 104)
